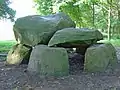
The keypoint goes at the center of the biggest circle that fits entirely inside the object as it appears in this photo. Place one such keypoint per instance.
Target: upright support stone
(49, 61)
(18, 54)
(111, 54)
(99, 56)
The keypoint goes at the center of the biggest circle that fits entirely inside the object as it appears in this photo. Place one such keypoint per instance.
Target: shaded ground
(17, 78)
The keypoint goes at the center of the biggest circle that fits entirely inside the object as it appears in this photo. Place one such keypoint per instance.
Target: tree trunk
(118, 14)
(118, 17)
(93, 15)
(109, 23)
(119, 21)
(118, 9)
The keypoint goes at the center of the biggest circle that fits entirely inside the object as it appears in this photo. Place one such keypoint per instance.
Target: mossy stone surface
(49, 61)
(33, 29)
(75, 36)
(18, 54)
(98, 57)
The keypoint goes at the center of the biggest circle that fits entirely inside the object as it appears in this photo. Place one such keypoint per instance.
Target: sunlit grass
(6, 45)
(114, 42)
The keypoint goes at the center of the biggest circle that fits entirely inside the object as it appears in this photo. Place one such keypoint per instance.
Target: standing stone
(18, 54)
(111, 54)
(48, 61)
(34, 29)
(99, 56)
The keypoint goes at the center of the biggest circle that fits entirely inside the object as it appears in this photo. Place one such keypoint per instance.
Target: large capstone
(48, 61)
(99, 56)
(34, 29)
(19, 54)
(73, 37)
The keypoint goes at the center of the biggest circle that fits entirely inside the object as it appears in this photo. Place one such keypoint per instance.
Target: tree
(109, 19)
(44, 7)
(98, 14)
(5, 11)
(80, 12)
(116, 18)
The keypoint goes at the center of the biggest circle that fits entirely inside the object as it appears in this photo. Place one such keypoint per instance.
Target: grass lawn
(6, 45)
(114, 42)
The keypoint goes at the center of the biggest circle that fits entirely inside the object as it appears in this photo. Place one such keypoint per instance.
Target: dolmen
(43, 43)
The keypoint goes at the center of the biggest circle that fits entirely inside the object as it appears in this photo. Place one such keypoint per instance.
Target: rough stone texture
(19, 54)
(34, 29)
(99, 56)
(72, 36)
(111, 54)
(49, 61)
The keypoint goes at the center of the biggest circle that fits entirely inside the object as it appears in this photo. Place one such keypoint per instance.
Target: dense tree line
(98, 14)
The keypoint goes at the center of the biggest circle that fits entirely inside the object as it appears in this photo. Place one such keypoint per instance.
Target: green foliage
(78, 13)
(86, 13)
(44, 7)
(6, 11)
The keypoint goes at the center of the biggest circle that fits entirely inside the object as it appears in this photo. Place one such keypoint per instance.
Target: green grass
(114, 42)
(6, 45)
